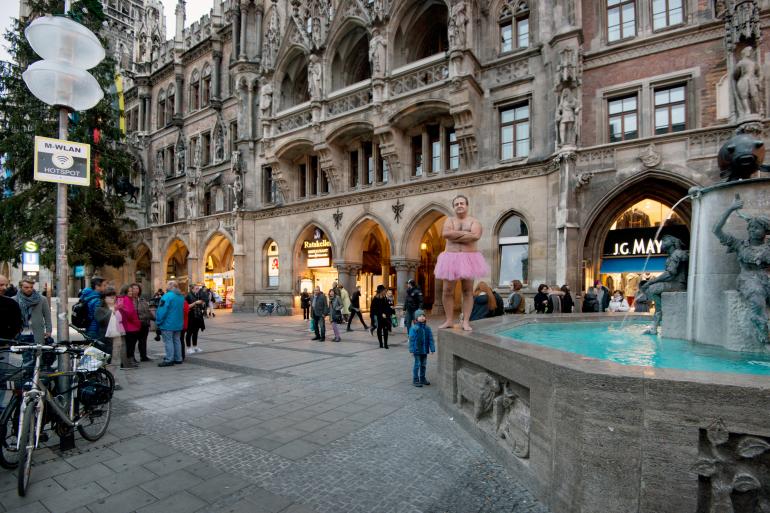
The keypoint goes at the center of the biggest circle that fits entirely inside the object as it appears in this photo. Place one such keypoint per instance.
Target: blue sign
(30, 262)
(80, 271)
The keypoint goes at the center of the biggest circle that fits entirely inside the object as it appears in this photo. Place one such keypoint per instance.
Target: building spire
(180, 18)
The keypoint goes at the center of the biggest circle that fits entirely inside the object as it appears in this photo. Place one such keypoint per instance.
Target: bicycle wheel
(262, 311)
(93, 419)
(9, 434)
(27, 439)
(281, 310)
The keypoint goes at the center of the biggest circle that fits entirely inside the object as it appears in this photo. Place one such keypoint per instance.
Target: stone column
(258, 33)
(438, 302)
(236, 30)
(427, 161)
(147, 113)
(386, 273)
(566, 227)
(141, 114)
(242, 49)
(178, 85)
(250, 112)
(158, 275)
(215, 76)
(404, 268)
(354, 270)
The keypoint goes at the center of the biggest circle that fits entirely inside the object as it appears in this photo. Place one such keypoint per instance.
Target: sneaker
(198, 350)
(166, 364)
(417, 384)
(424, 381)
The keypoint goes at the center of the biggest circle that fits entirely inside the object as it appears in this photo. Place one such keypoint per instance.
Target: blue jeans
(420, 362)
(173, 345)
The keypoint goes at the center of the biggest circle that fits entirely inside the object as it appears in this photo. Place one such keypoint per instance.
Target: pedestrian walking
(345, 298)
(412, 303)
(129, 318)
(320, 309)
(335, 304)
(10, 313)
(420, 345)
(35, 314)
(392, 302)
(355, 308)
(205, 295)
(304, 302)
(93, 297)
(146, 316)
(195, 319)
(170, 319)
(381, 311)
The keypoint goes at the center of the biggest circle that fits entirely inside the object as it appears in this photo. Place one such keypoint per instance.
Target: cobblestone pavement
(265, 420)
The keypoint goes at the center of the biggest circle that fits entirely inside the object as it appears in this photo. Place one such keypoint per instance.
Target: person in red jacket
(131, 324)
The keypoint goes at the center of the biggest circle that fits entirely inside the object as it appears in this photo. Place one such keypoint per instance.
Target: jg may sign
(62, 161)
(631, 242)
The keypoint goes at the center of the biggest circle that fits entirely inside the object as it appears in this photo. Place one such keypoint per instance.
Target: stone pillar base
(674, 324)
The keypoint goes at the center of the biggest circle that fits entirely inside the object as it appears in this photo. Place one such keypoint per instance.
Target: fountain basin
(595, 435)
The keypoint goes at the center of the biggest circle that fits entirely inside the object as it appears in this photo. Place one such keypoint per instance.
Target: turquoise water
(629, 346)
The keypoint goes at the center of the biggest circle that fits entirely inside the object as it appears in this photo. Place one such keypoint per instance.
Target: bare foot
(467, 327)
(446, 325)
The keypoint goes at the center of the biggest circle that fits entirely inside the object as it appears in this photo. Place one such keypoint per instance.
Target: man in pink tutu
(460, 261)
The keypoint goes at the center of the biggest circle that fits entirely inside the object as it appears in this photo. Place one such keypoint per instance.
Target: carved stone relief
(499, 406)
(734, 470)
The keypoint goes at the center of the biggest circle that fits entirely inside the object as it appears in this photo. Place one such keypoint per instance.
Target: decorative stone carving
(159, 164)
(650, 157)
(378, 10)
(398, 209)
(566, 118)
(234, 180)
(419, 78)
(742, 23)
(735, 469)
(740, 157)
(512, 71)
(337, 218)
(458, 20)
(219, 140)
(465, 131)
(180, 151)
(272, 39)
(266, 101)
(568, 71)
(314, 77)
(312, 19)
(512, 420)
(672, 279)
(748, 84)
(243, 109)
(583, 179)
(477, 388)
(753, 255)
(377, 53)
(293, 121)
(197, 158)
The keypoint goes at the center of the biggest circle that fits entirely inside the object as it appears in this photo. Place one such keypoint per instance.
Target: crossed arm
(450, 233)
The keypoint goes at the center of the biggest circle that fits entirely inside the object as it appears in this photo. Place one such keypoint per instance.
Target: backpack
(80, 317)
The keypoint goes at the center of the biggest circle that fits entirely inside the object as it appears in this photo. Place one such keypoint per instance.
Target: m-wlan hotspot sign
(62, 161)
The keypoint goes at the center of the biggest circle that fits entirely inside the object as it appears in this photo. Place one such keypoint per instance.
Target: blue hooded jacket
(421, 339)
(93, 299)
(170, 315)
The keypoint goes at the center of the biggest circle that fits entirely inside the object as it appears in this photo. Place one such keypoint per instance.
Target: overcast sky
(195, 9)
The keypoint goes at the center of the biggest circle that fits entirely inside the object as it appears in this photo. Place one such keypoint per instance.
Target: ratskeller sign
(319, 251)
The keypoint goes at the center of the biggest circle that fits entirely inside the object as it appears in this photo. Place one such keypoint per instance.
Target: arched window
(170, 103)
(514, 26)
(206, 86)
(162, 109)
(513, 244)
(422, 32)
(294, 86)
(273, 262)
(219, 200)
(195, 88)
(351, 59)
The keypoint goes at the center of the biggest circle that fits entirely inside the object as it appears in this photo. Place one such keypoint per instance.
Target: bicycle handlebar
(42, 347)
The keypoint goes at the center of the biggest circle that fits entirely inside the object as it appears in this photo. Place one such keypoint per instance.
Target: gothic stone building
(285, 144)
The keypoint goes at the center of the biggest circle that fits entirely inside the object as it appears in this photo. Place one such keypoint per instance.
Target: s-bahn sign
(62, 161)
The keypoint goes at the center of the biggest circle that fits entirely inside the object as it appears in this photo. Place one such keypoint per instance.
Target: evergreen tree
(97, 230)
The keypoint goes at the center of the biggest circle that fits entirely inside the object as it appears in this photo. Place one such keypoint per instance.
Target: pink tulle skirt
(453, 266)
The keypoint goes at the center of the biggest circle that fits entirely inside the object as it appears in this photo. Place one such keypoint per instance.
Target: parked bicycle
(272, 307)
(89, 409)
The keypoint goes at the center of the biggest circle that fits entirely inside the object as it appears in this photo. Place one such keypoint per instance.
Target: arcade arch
(350, 62)
(423, 244)
(313, 258)
(219, 268)
(421, 32)
(175, 264)
(143, 268)
(294, 85)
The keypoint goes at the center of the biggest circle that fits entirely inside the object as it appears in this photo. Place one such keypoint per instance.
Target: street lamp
(61, 80)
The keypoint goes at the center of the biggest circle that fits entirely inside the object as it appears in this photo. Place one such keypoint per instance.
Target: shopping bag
(113, 327)
(312, 324)
(394, 321)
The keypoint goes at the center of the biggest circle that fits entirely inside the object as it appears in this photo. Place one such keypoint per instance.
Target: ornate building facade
(283, 143)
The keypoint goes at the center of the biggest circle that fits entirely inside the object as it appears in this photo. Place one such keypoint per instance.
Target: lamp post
(68, 49)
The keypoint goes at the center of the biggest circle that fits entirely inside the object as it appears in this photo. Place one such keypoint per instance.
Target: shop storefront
(316, 260)
(224, 286)
(632, 249)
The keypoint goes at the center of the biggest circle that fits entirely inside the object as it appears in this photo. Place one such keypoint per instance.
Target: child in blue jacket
(420, 344)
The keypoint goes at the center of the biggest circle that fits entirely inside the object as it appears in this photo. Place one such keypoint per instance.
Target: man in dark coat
(412, 303)
(10, 313)
(355, 308)
(319, 308)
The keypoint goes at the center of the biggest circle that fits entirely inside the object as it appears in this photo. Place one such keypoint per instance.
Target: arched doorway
(143, 268)
(219, 269)
(314, 253)
(424, 243)
(369, 243)
(175, 264)
(622, 248)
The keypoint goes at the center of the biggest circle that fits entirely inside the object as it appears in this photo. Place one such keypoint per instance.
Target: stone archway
(422, 244)
(367, 262)
(175, 264)
(143, 268)
(314, 257)
(219, 268)
(655, 189)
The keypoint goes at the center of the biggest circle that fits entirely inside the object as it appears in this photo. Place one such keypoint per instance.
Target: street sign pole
(67, 441)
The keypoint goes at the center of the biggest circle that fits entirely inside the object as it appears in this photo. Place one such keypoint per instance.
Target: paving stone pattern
(265, 420)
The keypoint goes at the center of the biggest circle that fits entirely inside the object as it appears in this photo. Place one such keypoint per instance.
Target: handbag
(394, 320)
(312, 324)
(113, 327)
